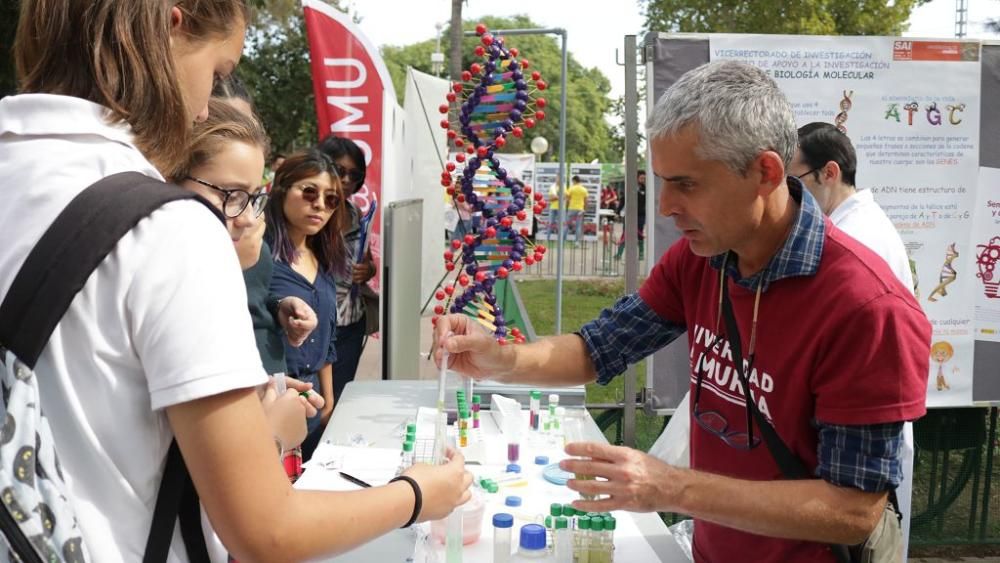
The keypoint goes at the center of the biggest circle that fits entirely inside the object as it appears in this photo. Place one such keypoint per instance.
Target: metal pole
(562, 153)
(631, 217)
(562, 186)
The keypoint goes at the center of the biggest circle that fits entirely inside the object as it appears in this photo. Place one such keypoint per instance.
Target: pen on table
(354, 480)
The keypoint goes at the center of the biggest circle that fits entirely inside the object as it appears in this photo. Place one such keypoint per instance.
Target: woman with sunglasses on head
(350, 162)
(304, 228)
(157, 345)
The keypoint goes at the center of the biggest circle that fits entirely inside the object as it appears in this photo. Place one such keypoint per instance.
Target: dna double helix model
(496, 98)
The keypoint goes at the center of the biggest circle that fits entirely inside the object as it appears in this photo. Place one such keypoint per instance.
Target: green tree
(588, 135)
(275, 67)
(806, 17)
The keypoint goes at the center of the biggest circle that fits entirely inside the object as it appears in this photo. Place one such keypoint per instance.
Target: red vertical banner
(350, 82)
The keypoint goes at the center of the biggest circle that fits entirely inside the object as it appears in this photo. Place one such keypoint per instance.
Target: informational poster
(911, 108)
(987, 255)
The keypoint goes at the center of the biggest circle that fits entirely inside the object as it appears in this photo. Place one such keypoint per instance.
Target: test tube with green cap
(535, 405)
(570, 513)
(563, 541)
(463, 429)
(582, 540)
(555, 511)
(406, 458)
(609, 537)
(477, 403)
(596, 535)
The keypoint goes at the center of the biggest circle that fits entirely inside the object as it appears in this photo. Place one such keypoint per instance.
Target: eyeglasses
(715, 422)
(234, 201)
(353, 176)
(814, 170)
(310, 193)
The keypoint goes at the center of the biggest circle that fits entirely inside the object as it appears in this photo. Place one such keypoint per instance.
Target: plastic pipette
(441, 424)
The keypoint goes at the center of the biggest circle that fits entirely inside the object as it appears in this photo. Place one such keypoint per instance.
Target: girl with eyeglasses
(351, 322)
(157, 345)
(305, 219)
(225, 167)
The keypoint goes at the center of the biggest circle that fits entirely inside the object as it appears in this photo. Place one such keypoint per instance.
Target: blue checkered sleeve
(868, 457)
(625, 333)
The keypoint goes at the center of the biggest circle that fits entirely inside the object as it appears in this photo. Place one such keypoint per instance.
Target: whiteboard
(402, 225)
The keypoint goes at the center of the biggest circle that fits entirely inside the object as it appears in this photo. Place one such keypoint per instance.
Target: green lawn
(582, 301)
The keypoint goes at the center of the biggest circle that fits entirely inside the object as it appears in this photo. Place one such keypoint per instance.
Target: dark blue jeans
(350, 341)
(314, 430)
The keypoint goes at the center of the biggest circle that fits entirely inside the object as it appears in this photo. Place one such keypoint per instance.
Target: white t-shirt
(162, 321)
(863, 219)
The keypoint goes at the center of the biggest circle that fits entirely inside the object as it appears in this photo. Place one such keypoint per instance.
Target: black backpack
(37, 522)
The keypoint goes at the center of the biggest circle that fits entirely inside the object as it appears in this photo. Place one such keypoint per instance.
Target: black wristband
(418, 498)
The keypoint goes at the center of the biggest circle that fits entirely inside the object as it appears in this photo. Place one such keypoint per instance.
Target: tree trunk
(455, 53)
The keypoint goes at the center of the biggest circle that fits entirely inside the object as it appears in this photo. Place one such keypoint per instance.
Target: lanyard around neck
(756, 308)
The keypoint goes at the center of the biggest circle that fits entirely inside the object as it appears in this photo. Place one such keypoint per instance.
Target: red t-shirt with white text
(847, 346)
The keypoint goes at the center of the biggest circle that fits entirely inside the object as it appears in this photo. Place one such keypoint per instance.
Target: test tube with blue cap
(503, 525)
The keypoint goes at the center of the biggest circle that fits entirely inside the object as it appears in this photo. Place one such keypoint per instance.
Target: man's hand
(472, 350)
(636, 482)
(297, 318)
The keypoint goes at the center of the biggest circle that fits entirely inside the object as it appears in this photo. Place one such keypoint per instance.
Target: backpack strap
(177, 498)
(83, 234)
(56, 269)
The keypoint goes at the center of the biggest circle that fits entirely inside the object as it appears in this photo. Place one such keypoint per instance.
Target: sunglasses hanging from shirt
(789, 464)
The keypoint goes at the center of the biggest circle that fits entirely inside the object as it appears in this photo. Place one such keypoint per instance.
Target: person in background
(157, 346)
(349, 160)
(305, 224)
(827, 165)
(576, 197)
(609, 198)
(553, 215)
(641, 224)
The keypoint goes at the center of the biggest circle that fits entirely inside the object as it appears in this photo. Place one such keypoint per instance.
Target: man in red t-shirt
(835, 348)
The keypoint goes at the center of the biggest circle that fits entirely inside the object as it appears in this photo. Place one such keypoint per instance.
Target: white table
(375, 409)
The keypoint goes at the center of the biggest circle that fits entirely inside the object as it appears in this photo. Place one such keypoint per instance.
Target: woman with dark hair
(156, 348)
(350, 162)
(305, 219)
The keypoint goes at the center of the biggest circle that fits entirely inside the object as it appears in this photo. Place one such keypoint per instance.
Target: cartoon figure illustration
(986, 260)
(845, 106)
(916, 279)
(948, 273)
(941, 352)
